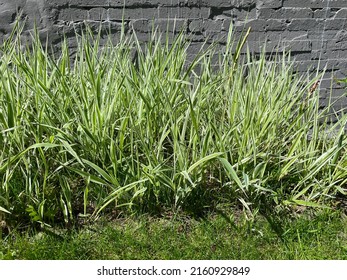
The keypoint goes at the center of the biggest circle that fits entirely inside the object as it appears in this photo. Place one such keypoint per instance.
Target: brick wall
(314, 30)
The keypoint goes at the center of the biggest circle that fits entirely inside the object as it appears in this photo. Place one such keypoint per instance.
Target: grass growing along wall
(96, 132)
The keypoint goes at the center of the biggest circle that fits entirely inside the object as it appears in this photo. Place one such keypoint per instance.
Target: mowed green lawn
(321, 236)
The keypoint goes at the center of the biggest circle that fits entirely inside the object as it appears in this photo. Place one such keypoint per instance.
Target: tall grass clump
(144, 128)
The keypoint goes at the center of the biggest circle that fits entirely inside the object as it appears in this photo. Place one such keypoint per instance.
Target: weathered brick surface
(313, 30)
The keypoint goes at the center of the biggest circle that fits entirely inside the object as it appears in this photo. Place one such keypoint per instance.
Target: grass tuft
(103, 131)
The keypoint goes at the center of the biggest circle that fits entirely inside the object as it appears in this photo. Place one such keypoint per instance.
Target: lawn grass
(311, 235)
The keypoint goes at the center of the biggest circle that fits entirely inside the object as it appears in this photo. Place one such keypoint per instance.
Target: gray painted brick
(244, 14)
(262, 25)
(336, 45)
(56, 3)
(315, 3)
(323, 13)
(295, 45)
(278, 36)
(98, 14)
(287, 13)
(319, 44)
(170, 24)
(269, 3)
(140, 25)
(319, 34)
(146, 26)
(164, 3)
(122, 3)
(306, 24)
(73, 14)
(335, 24)
(184, 12)
(87, 3)
(200, 26)
(227, 3)
(134, 14)
(341, 13)
(275, 46)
